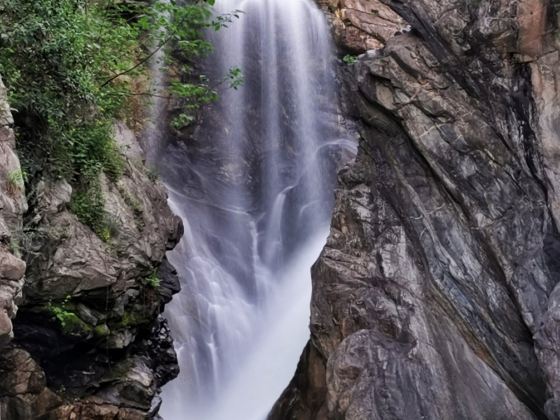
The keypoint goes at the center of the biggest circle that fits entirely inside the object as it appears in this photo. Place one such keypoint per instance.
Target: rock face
(361, 25)
(90, 342)
(12, 207)
(436, 296)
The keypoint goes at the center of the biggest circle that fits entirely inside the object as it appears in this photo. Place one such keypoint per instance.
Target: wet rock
(90, 316)
(22, 374)
(169, 281)
(67, 258)
(158, 345)
(120, 339)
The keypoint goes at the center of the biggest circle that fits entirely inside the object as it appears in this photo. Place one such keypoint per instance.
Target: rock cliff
(437, 295)
(12, 207)
(88, 340)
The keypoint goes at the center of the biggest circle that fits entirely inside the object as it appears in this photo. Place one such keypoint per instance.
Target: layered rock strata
(436, 296)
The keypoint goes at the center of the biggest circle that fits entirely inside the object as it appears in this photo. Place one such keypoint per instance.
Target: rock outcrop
(361, 25)
(90, 342)
(12, 207)
(437, 295)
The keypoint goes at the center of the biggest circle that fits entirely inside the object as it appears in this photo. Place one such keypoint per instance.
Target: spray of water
(254, 189)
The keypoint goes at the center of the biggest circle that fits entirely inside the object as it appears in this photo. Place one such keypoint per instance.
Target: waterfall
(254, 187)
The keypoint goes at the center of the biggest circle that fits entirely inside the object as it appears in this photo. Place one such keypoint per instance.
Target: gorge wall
(88, 341)
(13, 206)
(437, 294)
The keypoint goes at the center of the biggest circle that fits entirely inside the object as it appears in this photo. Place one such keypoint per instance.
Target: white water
(254, 188)
(155, 129)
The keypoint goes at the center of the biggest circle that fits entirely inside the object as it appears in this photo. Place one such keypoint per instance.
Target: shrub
(350, 59)
(89, 205)
(153, 280)
(54, 55)
(70, 65)
(70, 323)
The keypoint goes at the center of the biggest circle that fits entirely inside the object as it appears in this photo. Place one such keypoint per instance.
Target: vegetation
(70, 67)
(64, 316)
(16, 180)
(153, 280)
(89, 205)
(70, 323)
(350, 59)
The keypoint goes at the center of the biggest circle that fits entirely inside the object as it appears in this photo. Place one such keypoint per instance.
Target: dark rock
(158, 345)
(23, 392)
(169, 281)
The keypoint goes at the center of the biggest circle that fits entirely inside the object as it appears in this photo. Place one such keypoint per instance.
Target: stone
(52, 197)
(5, 328)
(120, 339)
(88, 315)
(362, 25)
(12, 207)
(86, 304)
(169, 281)
(20, 374)
(11, 267)
(437, 293)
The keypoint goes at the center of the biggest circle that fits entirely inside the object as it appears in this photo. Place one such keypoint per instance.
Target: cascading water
(254, 189)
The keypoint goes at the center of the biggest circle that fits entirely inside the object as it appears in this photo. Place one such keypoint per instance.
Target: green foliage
(153, 280)
(350, 59)
(53, 56)
(196, 95)
(65, 317)
(69, 322)
(16, 180)
(235, 78)
(69, 66)
(190, 45)
(94, 150)
(15, 247)
(132, 318)
(89, 205)
(101, 330)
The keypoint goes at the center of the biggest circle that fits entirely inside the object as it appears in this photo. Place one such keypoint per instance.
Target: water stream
(254, 187)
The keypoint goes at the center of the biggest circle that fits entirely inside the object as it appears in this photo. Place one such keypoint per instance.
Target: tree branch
(140, 63)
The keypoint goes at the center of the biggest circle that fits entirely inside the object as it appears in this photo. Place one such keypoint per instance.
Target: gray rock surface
(89, 339)
(12, 207)
(361, 25)
(436, 296)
